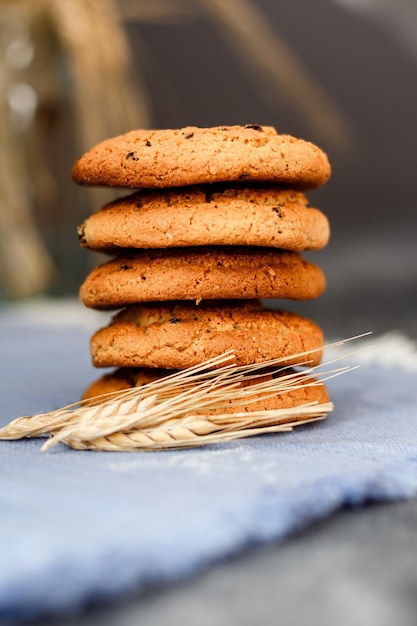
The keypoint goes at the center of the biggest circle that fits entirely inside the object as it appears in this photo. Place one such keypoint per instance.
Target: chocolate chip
(243, 176)
(132, 155)
(277, 210)
(125, 267)
(189, 135)
(174, 320)
(254, 127)
(148, 143)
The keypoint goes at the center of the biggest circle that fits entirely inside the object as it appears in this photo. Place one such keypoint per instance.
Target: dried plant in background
(85, 41)
(25, 265)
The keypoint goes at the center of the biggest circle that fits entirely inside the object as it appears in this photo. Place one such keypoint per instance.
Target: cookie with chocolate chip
(201, 273)
(178, 335)
(192, 155)
(207, 215)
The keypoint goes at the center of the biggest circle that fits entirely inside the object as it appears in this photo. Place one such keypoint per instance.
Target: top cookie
(191, 155)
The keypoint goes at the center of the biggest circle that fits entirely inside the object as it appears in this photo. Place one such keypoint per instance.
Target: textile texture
(80, 527)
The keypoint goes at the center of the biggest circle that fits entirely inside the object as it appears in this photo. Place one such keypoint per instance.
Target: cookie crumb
(81, 234)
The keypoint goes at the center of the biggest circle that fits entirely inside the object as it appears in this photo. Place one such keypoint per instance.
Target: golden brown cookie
(180, 335)
(191, 155)
(207, 215)
(201, 273)
(306, 390)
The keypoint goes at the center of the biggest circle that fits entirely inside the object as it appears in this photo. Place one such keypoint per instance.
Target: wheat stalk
(198, 433)
(188, 408)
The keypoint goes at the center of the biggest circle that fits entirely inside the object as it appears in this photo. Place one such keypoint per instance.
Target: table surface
(358, 566)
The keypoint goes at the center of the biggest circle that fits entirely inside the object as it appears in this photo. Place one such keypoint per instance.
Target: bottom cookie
(124, 378)
(178, 335)
(306, 389)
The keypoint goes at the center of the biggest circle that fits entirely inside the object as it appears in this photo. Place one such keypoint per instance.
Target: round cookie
(191, 155)
(177, 335)
(201, 273)
(207, 215)
(305, 391)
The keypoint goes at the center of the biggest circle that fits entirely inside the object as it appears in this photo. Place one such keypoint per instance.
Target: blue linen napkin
(79, 526)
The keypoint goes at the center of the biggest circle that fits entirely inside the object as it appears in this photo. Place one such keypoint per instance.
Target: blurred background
(340, 73)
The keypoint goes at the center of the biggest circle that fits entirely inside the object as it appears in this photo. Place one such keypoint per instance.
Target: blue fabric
(82, 526)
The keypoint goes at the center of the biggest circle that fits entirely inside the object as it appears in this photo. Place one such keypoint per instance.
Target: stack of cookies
(216, 226)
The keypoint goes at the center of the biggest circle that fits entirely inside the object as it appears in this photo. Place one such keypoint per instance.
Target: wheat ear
(187, 408)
